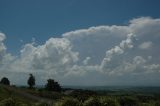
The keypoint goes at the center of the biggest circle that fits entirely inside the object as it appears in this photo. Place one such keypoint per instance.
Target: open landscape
(79, 53)
(78, 95)
(13, 96)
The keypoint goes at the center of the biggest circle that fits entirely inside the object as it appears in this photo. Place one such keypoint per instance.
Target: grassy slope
(76, 97)
(9, 95)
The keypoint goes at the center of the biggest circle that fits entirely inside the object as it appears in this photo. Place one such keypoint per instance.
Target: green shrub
(8, 102)
(46, 94)
(108, 101)
(82, 95)
(128, 101)
(146, 104)
(14, 102)
(92, 101)
(41, 104)
(157, 103)
(68, 102)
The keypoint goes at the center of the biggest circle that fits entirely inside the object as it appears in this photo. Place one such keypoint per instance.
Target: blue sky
(81, 42)
(42, 19)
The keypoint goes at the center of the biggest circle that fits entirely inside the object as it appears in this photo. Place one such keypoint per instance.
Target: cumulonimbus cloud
(117, 51)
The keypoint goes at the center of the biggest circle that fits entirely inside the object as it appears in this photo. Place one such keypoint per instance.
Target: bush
(128, 101)
(68, 102)
(8, 102)
(5, 81)
(82, 95)
(13, 102)
(51, 95)
(157, 103)
(106, 101)
(53, 86)
(92, 101)
(146, 104)
(41, 104)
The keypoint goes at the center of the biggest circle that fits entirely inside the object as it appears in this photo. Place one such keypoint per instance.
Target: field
(80, 96)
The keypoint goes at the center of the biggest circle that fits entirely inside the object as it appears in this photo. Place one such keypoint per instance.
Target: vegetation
(31, 81)
(68, 102)
(54, 95)
(8, 98)
(107, 101)
(75, 98)
(5, 81)
(53, 86)
(92, 101)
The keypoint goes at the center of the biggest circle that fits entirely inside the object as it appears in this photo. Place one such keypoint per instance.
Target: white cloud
(117, 50)
(5, 57)
(145, 26)
(2, 36)
(93, 42)
(146, 45)
(152, 68)
(100, 55)
(85, 62)
(149, 57)
(138, 60)
(54, 55)
(2, 47)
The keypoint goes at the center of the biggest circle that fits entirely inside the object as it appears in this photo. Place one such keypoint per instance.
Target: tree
(31, 81)
(53, 86)
(5, 81)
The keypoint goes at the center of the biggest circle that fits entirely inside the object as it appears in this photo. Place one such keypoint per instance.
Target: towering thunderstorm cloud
(98, 55)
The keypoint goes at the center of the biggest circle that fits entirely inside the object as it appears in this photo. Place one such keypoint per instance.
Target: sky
(81, 42)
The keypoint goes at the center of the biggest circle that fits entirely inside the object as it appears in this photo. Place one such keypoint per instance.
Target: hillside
(12, 96)
(17, 96)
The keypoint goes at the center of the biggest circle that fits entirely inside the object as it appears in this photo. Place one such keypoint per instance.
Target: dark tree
(5, 81)
(31, 81)
(53, 86)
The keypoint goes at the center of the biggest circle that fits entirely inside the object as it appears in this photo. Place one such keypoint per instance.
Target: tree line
(51, 84)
